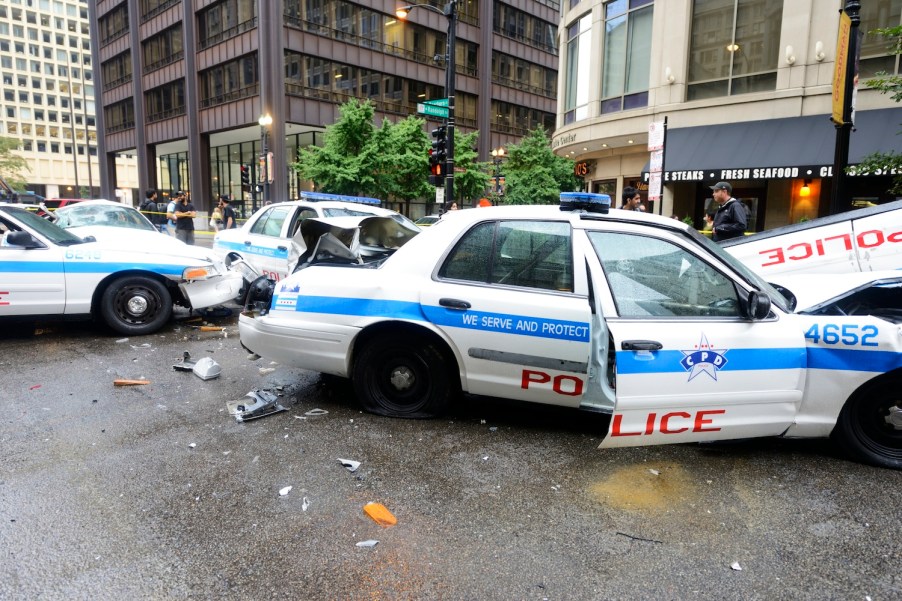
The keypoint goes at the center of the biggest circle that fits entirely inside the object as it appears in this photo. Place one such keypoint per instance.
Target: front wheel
(402, 379)
(135, 305)
(870, 425)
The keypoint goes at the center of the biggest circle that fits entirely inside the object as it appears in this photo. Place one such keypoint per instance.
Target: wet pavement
(156, 492)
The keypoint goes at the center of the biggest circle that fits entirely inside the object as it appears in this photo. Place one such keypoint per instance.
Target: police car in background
(628, 314)
(265, 244)
(868, 239)
(46, 271)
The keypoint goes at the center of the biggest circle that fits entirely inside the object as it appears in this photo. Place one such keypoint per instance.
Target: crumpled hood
(812, 290)
(350, 238)
(117, 238)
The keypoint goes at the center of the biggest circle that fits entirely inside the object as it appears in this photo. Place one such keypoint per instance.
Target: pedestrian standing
(228, 213)
(184, 220)
(731, 218)
(631, 199)
(174, 200)
(216, 217)
(149, 208)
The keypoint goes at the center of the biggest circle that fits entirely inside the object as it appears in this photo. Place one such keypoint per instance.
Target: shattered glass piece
(735, 565)
(305, 504)
(368, 543)
(285, 491)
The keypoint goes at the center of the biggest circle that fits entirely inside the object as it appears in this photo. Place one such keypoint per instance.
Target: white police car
(623, 313)
(264, 242)
(47, 271)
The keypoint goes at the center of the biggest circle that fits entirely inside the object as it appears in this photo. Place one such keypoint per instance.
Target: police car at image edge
(46, 271)
(628, 314)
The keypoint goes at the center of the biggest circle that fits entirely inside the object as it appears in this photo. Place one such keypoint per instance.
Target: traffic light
(245, 175)
(436, 169)
(440, 144)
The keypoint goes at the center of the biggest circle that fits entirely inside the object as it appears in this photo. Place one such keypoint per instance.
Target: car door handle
(641, 345)
(282, 248)
(247, 243)
(453, 303)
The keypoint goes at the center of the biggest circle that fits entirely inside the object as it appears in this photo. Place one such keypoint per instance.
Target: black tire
(135, 305)
(870, 425)
(407, 379)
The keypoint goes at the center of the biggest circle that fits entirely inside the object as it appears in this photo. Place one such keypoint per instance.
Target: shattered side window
(469, 259)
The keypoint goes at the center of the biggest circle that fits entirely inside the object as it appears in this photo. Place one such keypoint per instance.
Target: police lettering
(675, 422)
(823, 246)
(565, 385)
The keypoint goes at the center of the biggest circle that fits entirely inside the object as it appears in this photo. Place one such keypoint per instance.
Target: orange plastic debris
(211, 328)
(380, 514)
(130, 382)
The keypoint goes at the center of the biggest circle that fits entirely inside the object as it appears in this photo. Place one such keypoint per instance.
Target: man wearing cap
(730, 220)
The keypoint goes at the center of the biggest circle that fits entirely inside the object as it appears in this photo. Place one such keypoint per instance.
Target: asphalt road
(156, 492)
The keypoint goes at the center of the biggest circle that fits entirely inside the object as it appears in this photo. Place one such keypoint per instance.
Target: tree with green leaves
(470, 176)
(533, 174)
(12, 167)
(347, 161)
(402, 160)
(886, 162)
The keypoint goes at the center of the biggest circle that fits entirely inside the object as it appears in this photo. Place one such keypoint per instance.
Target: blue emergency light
(585, 201)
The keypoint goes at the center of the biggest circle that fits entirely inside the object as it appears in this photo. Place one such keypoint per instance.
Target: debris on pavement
(192, 445)
(735, 565)
(305, 504)
(186, 364)
(380, 514)
(368, 543)
(207, 369)
(285, 491)
(313, 412)
(261, 404)
(350, 464)
(123, 382)
(266, 370)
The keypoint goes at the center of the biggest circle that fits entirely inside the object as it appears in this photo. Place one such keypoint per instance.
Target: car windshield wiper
(70, 242)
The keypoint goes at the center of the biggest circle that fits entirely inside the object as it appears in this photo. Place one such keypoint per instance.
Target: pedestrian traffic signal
(245, 175)
(436, 169)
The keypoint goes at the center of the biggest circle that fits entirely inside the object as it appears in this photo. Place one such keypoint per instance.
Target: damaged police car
(46, 271)
(627, 314)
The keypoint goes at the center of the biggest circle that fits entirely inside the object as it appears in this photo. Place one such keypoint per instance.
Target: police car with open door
(623, 313)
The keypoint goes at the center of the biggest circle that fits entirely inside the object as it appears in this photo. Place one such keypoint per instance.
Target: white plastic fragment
(735, 565)
(192, 445)
(121, 340)
(350, 464)
(267, 370)
(285, 491)
(368, 543)
(317, 412)
(305, 504)
(655, 472)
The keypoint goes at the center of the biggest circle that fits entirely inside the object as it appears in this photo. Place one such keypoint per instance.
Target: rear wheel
(403, 379)
(135, 305)
(870, 425)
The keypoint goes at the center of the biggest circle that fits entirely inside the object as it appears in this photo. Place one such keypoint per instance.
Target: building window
(519, 25)
(627, 55)
(111, 25)
(165, 101)
(225, 20)
(163, 49)
(229, 81)
(118, 116)
(523, 75)
(876, 55)
(150, 8)
(734, 47)
(117, 70)
(579, 63)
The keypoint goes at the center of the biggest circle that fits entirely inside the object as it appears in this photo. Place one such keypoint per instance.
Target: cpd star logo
(703, 359)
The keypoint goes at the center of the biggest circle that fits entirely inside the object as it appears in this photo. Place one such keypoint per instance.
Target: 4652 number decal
(847, 334)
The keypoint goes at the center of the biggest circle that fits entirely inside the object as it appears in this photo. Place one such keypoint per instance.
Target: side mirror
(759, 305)
(89, 239)
(23, 239)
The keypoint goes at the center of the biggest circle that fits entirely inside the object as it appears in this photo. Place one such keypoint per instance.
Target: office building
(746, 89)
(183, 85)
(48, 99)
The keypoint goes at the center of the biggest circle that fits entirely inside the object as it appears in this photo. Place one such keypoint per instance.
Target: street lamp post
(497, 157)
(265, 121)
(450, 12)
(838, 201)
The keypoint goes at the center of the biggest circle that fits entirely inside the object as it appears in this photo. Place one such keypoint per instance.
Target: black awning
(775, 148)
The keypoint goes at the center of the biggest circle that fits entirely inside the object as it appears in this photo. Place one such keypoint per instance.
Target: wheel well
(171, 286)
(895, 374)
(403, 328)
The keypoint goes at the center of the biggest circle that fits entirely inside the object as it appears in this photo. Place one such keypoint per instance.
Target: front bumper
(213, 291)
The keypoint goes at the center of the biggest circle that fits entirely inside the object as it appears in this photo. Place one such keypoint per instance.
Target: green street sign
(439, 102)
(432, 110)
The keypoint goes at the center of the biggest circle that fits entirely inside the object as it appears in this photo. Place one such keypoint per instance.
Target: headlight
(200, 273)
